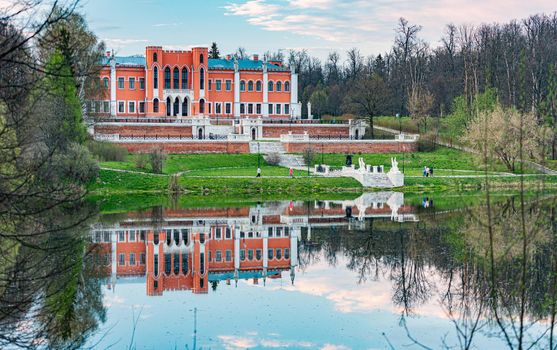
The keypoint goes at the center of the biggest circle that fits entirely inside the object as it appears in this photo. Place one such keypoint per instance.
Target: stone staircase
(266, 147)
(286, 160)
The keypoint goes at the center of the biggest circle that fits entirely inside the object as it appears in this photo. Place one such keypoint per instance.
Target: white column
(236, 249)
(309, 111)
(112, 86)
(180, 108)
(265, 91)
(236, 90)
(294, 94)
(113, 244)
(294, 233)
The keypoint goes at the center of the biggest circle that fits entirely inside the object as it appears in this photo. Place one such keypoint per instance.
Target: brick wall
(188, 147)
(353, 147)
(275, 131)
(141, 130)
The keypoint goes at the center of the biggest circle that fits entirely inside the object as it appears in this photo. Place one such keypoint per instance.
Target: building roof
(244, 64)
(125, 61)
(214, 63)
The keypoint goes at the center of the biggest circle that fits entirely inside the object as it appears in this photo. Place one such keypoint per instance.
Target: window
(228, 233)
(121, 107)
(142, 259)
(176, 263)
(270, 86)
(279, 86)
(279, 231)
(218, 257)
(228, 85)
(250, 85)
(201, 106)
(105, 82)
(132, 258)
(201, 58)
(286, 231)
(209, 107)
(121, 259)
(228, 255)
(132, 83)
(286, 253)
(218, 84)
(258, 86)
(202, 78)
(210, 85)
(250, 108)
(270, 253)
(278, 108)
(131, 236)
(156, 105)
(120, 83)
(141, 107)
(131, 106)
(227, 108)
(167, 261)
(184, 78)
(258, 254)
(242, 85)
(167, 78)
(184, 263)
(155, 78)
(270, 232)
(279, 254)
(106, 106)
(258, 108)
(286, 86)
(243, 254)
(154, 57)
(270, 108)
(250, 254)
(176, 78)
(287, 109)
(217, 108)
(142, 83)
(242, 108)
(218, 233)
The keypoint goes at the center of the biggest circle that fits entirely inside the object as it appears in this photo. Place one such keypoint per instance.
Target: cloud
(370, 25)
(253, 340)
(168, 24)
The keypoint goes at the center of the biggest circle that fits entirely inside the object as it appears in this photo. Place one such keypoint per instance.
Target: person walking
(431, 171)
(258, 172)
(291, 172)
(425, 171)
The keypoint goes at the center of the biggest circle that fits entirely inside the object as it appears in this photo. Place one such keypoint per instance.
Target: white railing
(294, 137)
(107, 137)
(238, 137)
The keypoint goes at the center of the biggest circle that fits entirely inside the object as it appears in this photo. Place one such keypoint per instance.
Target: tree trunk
(371, 126)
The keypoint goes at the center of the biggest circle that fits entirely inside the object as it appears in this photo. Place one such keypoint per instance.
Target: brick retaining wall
(147, 130)
(188, 147)
(352, 146)
(274, 131)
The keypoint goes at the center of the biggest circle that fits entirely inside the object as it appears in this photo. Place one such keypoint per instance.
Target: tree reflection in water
(507, 289)
(50, 288)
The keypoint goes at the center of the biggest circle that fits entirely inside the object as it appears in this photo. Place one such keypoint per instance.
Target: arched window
(202, 79)
(258, 86)
(201, 59)
(242, 85)
(155, 78)
(184, 78)
(168, 106)
(167, 78)
(286, 86)
(279, 86)
(176, 78)
(156, 105)
(202, 106)
(270, 86)
(250, 85)
(154, 57)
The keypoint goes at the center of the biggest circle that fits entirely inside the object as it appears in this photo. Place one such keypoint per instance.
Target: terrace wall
(353, 146)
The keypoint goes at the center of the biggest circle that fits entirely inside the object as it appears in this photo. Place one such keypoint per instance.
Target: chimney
(256, 57)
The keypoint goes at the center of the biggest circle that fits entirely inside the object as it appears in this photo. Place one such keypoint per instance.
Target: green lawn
(248, 171)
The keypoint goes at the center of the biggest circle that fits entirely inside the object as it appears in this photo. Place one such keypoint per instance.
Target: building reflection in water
(189, 249)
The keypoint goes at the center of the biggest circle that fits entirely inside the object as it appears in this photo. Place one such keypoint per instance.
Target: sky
(319, 26)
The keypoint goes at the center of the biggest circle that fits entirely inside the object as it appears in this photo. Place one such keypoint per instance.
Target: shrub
(273, 158)
(309, 156)
(157, 158)
(107, 152)
(141, 161)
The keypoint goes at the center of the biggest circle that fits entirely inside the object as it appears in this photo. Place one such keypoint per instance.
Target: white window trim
(134, 83)
(118, 83)
(118, 106)
(134, 109)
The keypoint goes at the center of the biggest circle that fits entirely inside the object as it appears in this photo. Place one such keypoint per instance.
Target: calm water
(380, 271)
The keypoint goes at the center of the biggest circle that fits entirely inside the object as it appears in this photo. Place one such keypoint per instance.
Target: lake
(381, 270)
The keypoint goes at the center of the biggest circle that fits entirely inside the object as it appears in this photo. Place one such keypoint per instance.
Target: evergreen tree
(214, 51)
